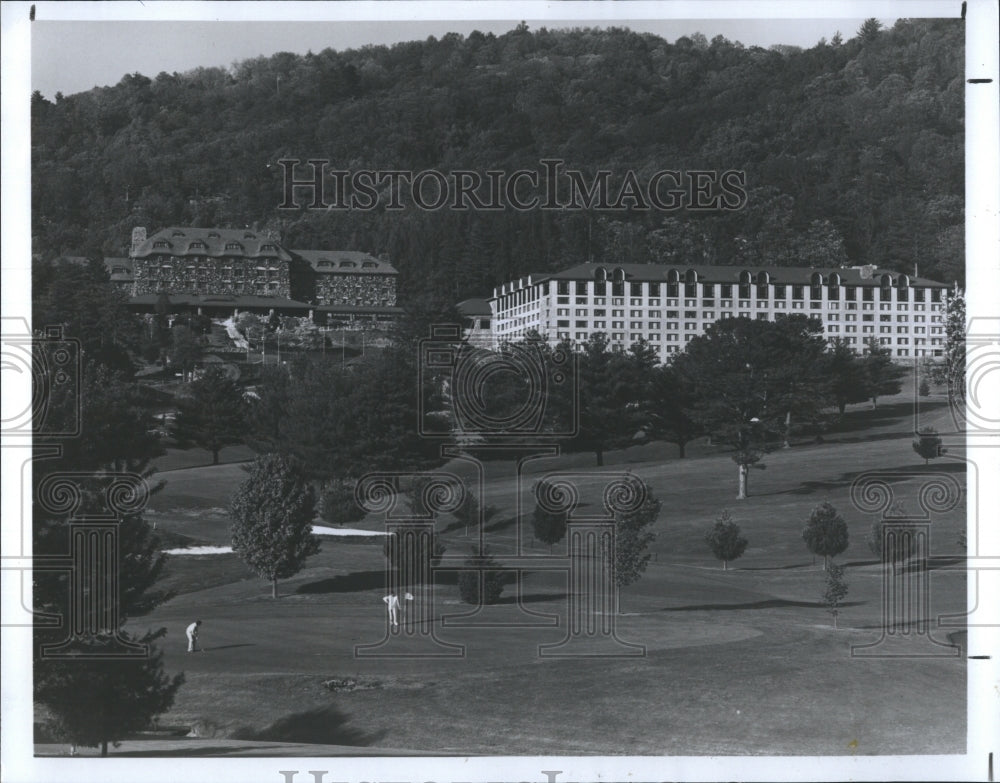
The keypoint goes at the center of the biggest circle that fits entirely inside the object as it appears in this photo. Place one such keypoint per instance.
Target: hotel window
(779, 292)
(816, 292)
(935, 294)
(850, 328)
(581, 324)
(654, 338)
(708, 315)
(832, 317)
(762, 292)
(690, 327)
(562, 288)
(672, 290)
(600, 300)
(903, 318)
(690, 313)
(562, 311)
(744, 291)
(600, 324)
(833, 305)
(600, 288)
(691, 290)
(600, 312)
(882, 318)
(867, 306)
(850, 293)
(779, 305)
(868, 317)
(708, 290)
(581, 300)
(885, 306)
(673, 314)
(904, 351)
(635, 325)
(618, 288)
(618, 301)
(653, 314)
(798, 305)
(617, 324)
(581, 335)
(617, 313)
(671, 338)
(902, 330)
(581, 287)
(654, 302)
(833, 328)
(635, 302)
(868, 294)
(562, 335)
(635, 313)
(918, 294)
(636, 289)
(833, 292)
(885, 340)
(885, 330)
(920, 330)
(868, 329)
(797, 292)
(581, 311)
(654, 289)
(654, 325)
(617, 336)
(726, 291)
(562, 322)
(761, 316)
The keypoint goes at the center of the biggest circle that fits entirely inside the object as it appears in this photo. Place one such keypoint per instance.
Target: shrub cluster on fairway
(725, 540)
(491, 580)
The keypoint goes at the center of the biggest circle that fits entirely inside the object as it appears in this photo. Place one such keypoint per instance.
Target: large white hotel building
(669, 305)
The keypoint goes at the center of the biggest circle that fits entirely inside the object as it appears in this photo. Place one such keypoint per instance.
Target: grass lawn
(744, 661)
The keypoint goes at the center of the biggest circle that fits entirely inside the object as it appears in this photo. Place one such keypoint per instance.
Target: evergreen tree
(668, 405)
(212, 414)
(882, 376)
(272, 514)
(847, 377)
(725, 540)
(186, 349)
(337, 503)
(825, 532)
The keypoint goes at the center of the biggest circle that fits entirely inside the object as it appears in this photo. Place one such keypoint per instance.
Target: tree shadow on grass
(531, 598)
(212, 750)
(901, 474)
(773, 568)
(319, 726)
(774, 603)
(344, 583)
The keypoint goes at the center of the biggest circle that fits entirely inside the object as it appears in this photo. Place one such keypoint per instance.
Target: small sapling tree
(725, 540)
(836, 590)
(633, 537)
(825, 532)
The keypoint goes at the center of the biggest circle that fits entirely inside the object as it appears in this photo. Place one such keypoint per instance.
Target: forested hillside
(853, 150)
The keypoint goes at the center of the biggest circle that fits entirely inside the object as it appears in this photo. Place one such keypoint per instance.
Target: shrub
(924, 389)
(492, 580)
(825, 532)
(724, 539)
(632, 536)
(549, 526)
(928, 444)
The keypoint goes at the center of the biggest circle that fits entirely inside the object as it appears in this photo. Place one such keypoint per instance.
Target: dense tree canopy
(852, 152)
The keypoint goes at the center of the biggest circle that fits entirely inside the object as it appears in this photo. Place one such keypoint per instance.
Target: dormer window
(268, 247)
(369, 265)
(249, 235)
(161, 243)
(213, 234)
(324, 262)
(233, 246)
(197, 245)
(177, 234)
(347, 265)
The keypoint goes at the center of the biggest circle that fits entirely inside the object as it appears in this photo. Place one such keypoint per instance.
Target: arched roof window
(600, 274)
(619, 275)
(745, 278)
(816, 279)
(673, 276)
(690, 276)
(763, 278)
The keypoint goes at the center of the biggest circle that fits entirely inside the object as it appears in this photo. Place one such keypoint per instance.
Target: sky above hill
(73, 56)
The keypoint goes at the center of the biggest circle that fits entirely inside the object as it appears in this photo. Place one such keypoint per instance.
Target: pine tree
(882, 376)
(725, 540)
(272, 514)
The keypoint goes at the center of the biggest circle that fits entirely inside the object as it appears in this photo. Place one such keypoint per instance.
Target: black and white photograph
(500, 392)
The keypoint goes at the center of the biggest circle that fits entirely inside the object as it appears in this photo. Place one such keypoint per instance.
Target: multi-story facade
(669, 305)
(218, 270)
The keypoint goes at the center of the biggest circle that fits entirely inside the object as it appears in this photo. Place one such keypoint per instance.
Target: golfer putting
(192, 635)
(393, 605)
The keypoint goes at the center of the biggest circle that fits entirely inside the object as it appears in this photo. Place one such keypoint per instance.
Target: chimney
(138, 237)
